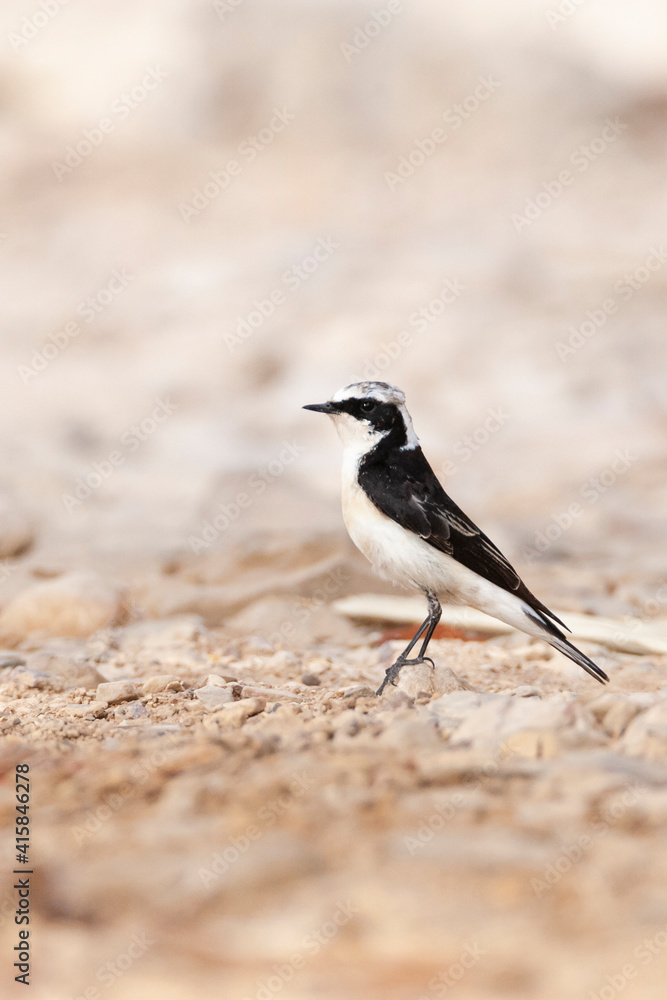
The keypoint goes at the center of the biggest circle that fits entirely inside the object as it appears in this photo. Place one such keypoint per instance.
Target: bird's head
(366, 412)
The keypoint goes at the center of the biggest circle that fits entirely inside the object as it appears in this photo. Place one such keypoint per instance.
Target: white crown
(381, 391)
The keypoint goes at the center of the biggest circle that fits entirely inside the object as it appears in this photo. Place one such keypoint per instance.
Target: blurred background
(139, 269)
(214, 212)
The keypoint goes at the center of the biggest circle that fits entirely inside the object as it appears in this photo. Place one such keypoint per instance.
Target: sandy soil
(220, 816)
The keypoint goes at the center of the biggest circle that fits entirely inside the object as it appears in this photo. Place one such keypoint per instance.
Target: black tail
(556, 639)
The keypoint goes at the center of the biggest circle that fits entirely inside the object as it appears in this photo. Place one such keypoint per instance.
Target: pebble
(526, 691)
(68, 671)
(357, 691)
(214, 697)
(95, 708)
(422, 679)
(115, 692)
(133, 710)
(37, 679)
(239, 711)
(312, 680)
(215, 680)
(8, 660)
(162, 682)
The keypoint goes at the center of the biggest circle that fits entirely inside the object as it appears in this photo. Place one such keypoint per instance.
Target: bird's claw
(392, 672)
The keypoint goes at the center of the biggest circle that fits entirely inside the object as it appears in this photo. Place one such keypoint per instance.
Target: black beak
(321, 407)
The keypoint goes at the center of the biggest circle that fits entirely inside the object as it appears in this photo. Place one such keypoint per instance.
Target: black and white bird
(413, 533)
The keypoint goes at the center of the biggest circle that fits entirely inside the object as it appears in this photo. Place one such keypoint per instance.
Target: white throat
(357, 436)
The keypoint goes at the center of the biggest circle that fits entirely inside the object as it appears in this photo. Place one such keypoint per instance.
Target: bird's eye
(368, 405)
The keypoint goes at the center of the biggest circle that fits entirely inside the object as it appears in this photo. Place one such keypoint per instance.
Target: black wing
(404, 487)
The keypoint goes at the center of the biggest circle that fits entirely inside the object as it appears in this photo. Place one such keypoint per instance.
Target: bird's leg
(434, 615)
(428, 626)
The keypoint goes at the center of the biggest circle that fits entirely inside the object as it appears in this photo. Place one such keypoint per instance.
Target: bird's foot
(392, 672)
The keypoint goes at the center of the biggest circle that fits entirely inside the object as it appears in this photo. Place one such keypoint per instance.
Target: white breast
(403, 557)
(395, 553)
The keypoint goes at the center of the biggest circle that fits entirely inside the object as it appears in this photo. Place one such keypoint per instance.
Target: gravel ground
(214, 815)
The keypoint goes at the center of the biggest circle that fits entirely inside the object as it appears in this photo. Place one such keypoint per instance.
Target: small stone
(312, 680)
(8, 660)
(358, 691)
(162, 682)
(95, 708)
(115, 692)
(67, 671)
(526, 691)
(135, 710)
(422, 679)
(214, 697)
(239, 711)
(37, 679)
(215, 680)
